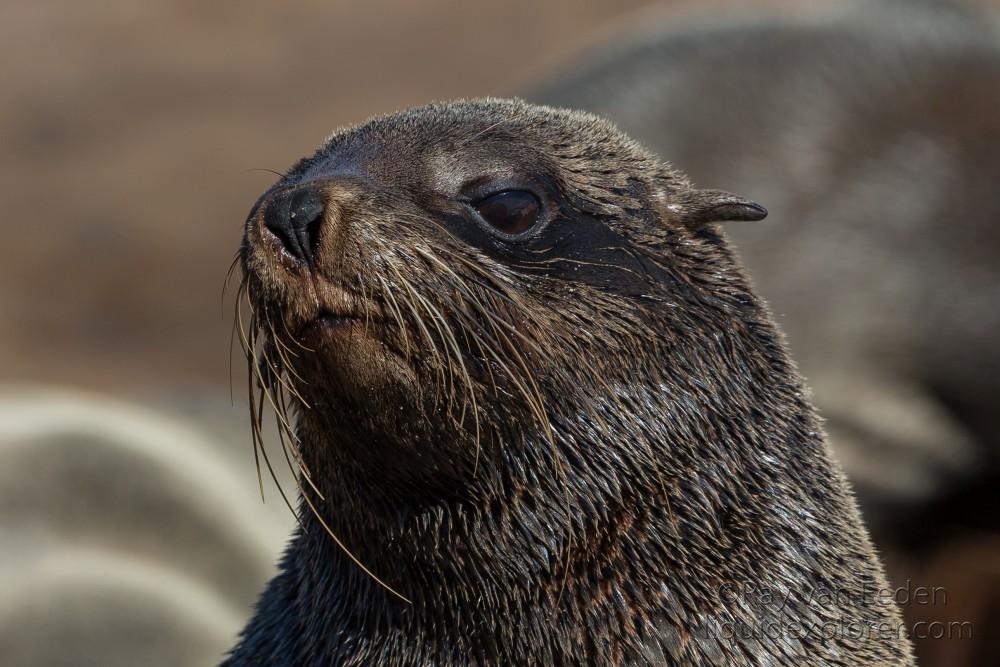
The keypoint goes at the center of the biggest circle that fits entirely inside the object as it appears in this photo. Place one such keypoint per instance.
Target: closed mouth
(337, 313)
(331, 322)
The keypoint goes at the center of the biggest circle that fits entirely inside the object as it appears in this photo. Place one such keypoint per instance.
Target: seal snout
(295, 217)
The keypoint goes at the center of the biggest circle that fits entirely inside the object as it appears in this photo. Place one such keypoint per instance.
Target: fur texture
(582, 446)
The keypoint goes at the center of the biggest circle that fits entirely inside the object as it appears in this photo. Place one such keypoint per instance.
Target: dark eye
(511, 212)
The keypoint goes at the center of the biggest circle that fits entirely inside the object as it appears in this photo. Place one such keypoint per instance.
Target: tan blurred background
(134, 137)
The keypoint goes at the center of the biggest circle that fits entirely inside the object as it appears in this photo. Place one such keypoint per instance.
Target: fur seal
(540, 416)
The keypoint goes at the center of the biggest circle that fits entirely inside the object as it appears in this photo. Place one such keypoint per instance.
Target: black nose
(294, 216)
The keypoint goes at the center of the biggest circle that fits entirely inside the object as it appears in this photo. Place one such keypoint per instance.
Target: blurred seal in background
(130, 533)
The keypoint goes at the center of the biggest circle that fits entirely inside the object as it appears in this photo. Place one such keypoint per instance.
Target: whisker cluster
(472, 338)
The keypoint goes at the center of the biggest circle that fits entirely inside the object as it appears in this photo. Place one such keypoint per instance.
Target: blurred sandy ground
(133, 139)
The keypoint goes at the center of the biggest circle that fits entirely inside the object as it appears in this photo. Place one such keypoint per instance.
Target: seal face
(447, 265)
(541, 418)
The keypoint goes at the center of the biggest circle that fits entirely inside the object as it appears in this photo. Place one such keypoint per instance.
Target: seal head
(540, 416)
(450, 268)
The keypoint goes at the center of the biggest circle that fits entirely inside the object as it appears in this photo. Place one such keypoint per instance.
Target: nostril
(276, 219)
(295, 217)
(306, 213)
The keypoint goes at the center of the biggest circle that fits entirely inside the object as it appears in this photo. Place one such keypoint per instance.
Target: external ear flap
(701, 207)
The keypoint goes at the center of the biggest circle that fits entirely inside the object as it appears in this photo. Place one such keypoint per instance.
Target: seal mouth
(334, 322)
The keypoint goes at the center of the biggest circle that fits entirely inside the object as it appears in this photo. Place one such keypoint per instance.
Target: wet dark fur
(588, 447)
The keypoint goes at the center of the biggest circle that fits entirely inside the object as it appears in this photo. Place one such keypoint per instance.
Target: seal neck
(708, 492)
(489, 570)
